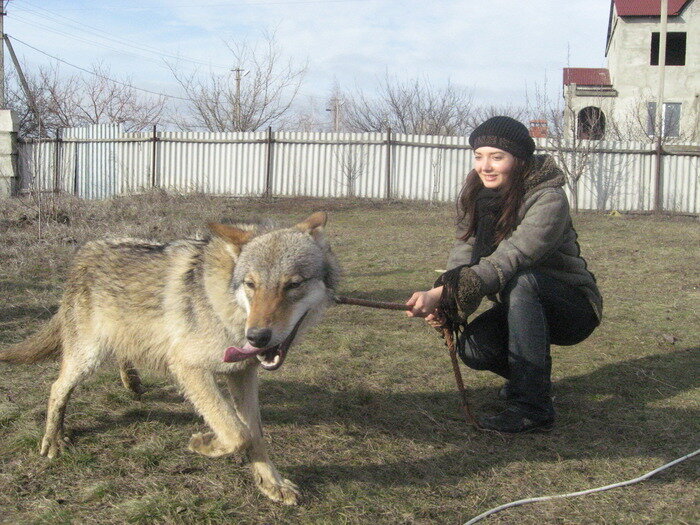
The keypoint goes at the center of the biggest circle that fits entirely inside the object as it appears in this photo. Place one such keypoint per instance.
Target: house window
(675, 49)
(671, 118)
(591, 124)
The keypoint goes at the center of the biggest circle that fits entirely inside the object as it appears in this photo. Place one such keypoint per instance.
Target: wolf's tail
(44, 344)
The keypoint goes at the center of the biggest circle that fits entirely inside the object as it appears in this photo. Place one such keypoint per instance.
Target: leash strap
(449, 342)
(466, 408)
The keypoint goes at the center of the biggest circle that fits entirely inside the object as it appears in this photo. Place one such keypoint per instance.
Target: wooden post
(389, 143)
(267, 194)
(76, 168)
(658, 205)
(58, 145)
(3, 102)
(154, 151)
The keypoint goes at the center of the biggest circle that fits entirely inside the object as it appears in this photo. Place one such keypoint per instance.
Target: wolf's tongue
(234, 353)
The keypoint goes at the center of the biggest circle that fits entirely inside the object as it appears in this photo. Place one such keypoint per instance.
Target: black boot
(513, 420)
(504, 392)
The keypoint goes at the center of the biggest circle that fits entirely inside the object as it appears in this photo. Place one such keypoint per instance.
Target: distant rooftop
(586, 76)
(648, 7)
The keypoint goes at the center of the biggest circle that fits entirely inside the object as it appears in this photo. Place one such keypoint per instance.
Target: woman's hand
(436, 320)
(424, 303)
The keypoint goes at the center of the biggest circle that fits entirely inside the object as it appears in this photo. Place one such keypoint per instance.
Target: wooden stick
(449, 341)
(382, 305)
(466, 408)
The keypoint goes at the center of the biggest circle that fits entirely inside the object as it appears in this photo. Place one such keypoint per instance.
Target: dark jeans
(512, 339)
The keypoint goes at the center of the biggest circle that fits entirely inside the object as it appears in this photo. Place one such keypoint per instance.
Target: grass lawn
(364, 415)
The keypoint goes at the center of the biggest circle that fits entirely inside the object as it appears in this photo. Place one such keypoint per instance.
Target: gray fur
(176, 307)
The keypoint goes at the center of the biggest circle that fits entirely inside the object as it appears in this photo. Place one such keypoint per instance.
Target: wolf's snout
(258, 337)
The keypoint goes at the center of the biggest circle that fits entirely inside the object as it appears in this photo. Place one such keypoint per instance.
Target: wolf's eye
(250, 284)
(292, 285)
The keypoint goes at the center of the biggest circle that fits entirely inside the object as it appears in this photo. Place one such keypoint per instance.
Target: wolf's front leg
(243, 386)
(230, 434)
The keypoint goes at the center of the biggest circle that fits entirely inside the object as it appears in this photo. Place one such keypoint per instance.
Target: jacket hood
(542, 172)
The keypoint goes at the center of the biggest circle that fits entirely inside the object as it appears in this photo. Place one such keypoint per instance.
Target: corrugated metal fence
(102, 161)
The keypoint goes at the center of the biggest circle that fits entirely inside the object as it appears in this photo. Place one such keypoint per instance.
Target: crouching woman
(515, 244)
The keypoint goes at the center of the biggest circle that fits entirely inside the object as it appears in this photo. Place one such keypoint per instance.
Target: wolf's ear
(231, 234)
(314, 224)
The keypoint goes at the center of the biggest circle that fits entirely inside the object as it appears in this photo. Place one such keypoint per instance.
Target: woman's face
(493, 165)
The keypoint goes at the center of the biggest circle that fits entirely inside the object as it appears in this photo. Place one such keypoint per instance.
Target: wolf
(199, 309)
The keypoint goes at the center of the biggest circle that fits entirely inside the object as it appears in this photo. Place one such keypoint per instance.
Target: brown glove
(461, 294)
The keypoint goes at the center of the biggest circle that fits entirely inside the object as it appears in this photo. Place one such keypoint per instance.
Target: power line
(87, 41)
(248, 4)
(97, 74)
(33, 23)
(100, 33)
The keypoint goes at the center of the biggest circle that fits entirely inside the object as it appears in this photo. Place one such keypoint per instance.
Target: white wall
(637, 81)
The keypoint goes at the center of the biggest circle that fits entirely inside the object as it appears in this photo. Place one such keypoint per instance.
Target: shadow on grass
(136, 415)
(614, 412)
(608, 413)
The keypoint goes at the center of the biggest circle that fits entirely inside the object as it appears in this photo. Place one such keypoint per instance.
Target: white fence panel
(38, 161)
(97, 173)
(220, 163)
(134, 157)
(329, 164)
(681, 183)
(428, 167)
(101, 161)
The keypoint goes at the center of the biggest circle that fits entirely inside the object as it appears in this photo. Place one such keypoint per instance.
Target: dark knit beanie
(503, 133)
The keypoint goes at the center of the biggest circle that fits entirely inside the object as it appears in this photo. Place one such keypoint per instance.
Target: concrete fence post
(9, 170)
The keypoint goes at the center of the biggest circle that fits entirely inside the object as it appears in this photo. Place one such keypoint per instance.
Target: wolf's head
(283, 279)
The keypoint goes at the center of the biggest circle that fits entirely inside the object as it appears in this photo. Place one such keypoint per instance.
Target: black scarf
(487, 212)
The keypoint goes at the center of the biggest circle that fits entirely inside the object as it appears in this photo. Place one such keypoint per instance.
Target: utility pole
(335, 112)
(25, 86)
(2, 54)
(237, 125)
(659, 106)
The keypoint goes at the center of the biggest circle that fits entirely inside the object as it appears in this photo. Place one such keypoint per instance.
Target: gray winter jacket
(544, 238)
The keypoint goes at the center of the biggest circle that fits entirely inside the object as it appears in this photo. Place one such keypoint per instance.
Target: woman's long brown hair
(512, 193)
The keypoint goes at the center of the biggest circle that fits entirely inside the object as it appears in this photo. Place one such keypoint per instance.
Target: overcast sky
(496, 48)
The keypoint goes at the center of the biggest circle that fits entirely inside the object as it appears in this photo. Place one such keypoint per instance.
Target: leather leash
(449, 343)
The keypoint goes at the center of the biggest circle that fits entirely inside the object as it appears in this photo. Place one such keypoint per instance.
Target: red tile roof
(648, 7)
(586, 76)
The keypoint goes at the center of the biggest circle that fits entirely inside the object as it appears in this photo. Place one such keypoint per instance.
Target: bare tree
(572, 143)
(308, 115)
(352, 163)
(638, 121)
(259, 90)
(64, 100)
(415, 106)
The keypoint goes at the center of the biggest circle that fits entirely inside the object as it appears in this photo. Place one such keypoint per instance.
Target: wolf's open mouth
(271, 358)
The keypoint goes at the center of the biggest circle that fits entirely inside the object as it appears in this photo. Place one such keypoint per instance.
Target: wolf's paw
(282, 491)
(53, 446)
(210, 445)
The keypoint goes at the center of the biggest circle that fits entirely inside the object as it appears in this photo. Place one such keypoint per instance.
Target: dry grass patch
(363, 415)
